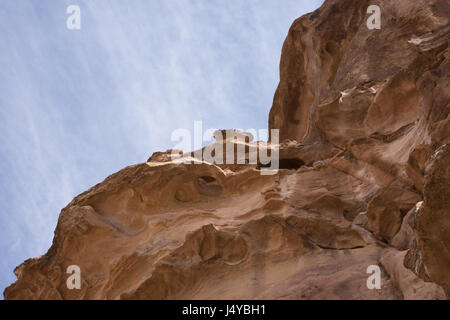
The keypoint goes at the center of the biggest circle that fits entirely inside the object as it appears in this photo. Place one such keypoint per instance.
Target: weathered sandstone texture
(364, 180)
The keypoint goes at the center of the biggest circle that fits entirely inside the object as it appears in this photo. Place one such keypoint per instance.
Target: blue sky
(78, 105)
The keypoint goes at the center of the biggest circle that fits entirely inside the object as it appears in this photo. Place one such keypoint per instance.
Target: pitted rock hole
(209, 186)
(289, 164)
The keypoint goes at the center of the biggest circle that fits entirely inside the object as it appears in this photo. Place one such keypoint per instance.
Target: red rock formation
(364, 180)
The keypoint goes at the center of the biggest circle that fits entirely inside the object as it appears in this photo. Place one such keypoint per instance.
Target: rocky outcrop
(412, 287)
(364, 181)
(429, 256)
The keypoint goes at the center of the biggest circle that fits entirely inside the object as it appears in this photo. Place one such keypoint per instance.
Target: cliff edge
(364, 180)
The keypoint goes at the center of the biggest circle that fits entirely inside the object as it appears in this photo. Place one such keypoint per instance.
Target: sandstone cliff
(364, 180)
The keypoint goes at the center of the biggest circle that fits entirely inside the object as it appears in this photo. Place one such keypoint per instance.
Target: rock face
(364, 180)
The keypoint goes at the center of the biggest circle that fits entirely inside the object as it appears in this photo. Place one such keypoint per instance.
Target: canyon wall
(364, 181)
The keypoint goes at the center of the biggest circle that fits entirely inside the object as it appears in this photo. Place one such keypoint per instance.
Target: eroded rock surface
(363, 180)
